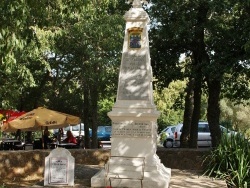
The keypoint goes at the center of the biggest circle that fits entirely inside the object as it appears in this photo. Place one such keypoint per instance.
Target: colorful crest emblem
(135, 37)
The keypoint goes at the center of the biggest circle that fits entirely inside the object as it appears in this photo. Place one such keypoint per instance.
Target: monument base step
(155, 179)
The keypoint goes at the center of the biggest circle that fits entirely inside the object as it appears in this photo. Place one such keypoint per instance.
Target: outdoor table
(9, 144)
(67, 145)
(8, 139)
(52, 145)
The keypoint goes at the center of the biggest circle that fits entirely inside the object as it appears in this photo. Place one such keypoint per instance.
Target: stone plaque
(132, 129)
(58, 170)
(134, 78)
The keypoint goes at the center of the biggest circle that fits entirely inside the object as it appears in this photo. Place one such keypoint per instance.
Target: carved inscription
(134, 129)
(58, 171)
(134, 81)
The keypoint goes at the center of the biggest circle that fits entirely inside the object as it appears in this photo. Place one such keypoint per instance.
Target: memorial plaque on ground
(59, 168)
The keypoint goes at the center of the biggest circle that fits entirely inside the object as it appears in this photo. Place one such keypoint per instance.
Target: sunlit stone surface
(134, 115)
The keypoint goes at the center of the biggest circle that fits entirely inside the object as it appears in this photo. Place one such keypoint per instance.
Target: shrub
(163, 137)
(230, 161)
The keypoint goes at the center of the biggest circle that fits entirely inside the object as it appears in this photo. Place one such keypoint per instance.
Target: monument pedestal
(134, 134)
(158, 177)
(134, 115)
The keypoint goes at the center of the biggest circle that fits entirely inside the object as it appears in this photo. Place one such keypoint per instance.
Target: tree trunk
(196, 112)
(94, 109)
(200, 59)
(188, 113)
(213, 110)
(86, 116)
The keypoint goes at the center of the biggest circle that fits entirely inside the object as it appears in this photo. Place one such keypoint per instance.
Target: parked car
(103, 133)
(169, 130)
(204, 136)
(168, 135)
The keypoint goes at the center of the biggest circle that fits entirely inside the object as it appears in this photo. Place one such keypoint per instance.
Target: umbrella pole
(80, 131)
(60, 135)
(42, 137)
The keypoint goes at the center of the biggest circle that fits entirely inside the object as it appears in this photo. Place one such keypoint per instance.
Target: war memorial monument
(134, 115)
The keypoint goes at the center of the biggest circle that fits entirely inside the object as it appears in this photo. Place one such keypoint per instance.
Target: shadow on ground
(83, 174)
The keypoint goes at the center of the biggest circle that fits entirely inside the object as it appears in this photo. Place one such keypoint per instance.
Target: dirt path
(83, 174)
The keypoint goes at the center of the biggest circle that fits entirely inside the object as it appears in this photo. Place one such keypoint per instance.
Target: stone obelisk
(134, 115)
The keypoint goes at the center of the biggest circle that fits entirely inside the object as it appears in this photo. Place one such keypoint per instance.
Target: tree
(235, 116)
(14, 36)
(67, 52)
(227, 27)
(199, 29)
(93, 49)
(169, 102)
(188, 114)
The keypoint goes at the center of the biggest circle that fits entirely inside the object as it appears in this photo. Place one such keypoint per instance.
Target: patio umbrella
(9, 115)
(40, 118)
(15, 115)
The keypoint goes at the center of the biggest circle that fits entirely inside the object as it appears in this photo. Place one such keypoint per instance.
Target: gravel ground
(83, 174)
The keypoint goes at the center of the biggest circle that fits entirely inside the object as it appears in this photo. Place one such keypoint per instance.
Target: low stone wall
(21, 163)
(182, 158)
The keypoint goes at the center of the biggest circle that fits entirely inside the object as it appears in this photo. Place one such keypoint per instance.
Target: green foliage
(1, 117)
(170, 102)
(213, 35)
(230, 161)
(87, 53)
(166, 100)
(50, 41)
(105, 106)
(51, 51)
(163, 137)
(235, 116)
(2, 186)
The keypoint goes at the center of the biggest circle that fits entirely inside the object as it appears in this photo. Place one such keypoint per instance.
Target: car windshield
(108, 129)
(173, 129)
(105, 129)
(203, 128)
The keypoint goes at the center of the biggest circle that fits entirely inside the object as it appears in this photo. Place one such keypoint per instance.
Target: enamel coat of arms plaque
(134, 34)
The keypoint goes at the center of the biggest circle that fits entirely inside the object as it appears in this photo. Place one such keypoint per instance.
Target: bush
(230, 161)
(163, 137)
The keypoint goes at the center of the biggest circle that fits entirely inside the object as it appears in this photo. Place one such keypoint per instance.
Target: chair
(19, 146)
(78, 145)
(37, 144)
